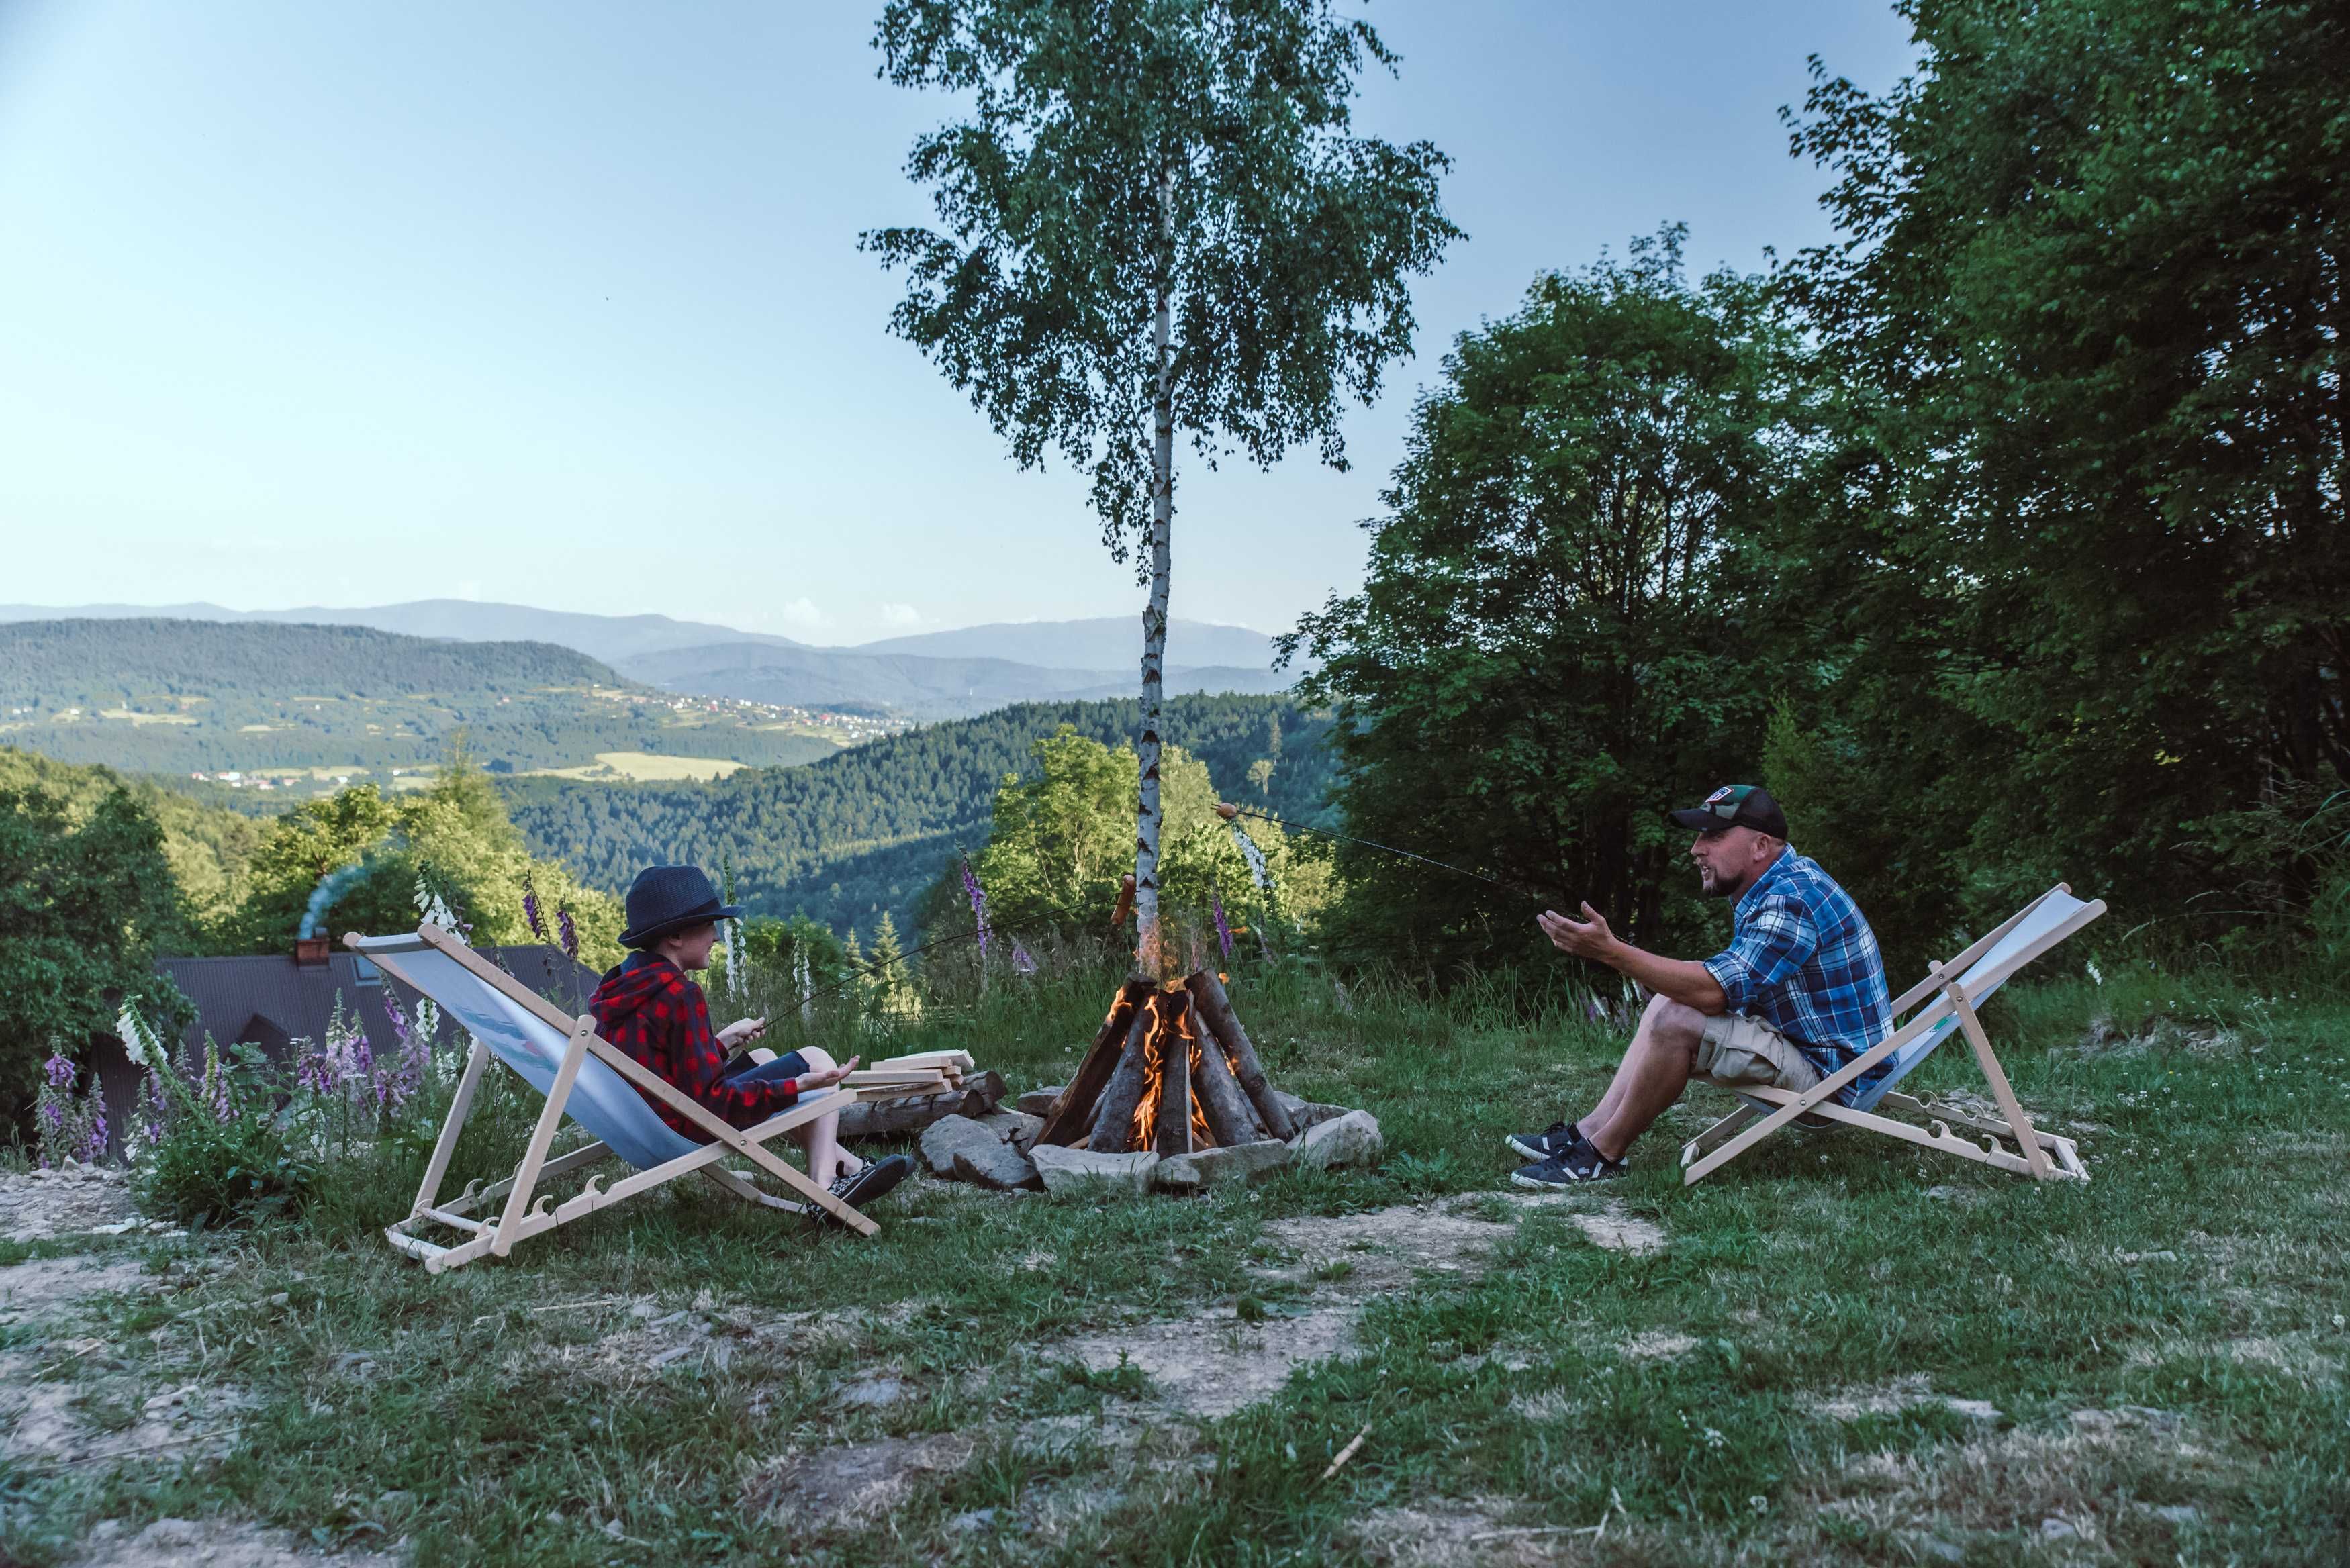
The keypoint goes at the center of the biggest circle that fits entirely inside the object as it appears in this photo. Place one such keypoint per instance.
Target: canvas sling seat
(584, 1077)
(1950, 996)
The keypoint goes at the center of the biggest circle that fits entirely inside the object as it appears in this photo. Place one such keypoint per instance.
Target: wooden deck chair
(584, 1077)
(1957, 989)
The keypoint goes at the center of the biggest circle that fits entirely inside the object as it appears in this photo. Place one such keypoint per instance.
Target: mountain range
(928, 675)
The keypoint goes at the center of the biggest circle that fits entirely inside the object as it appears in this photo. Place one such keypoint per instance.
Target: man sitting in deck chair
(1799, 992)
(648, 1008)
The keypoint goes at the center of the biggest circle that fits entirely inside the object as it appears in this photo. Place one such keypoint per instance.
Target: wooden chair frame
(2043, 1155)
(521, 1217)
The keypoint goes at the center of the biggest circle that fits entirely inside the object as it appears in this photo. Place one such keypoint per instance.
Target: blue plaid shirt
(1803, 960)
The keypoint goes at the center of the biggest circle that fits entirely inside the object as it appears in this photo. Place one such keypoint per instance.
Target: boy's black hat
(1731, 805)
(666, 898)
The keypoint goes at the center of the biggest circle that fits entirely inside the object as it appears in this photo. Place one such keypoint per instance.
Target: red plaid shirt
(648, 1009)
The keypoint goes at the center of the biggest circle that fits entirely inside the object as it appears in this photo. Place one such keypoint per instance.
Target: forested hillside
(207, 847)
(845, 839)
(178, 696)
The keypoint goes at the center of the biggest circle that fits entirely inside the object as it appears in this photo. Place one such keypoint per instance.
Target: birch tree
(1155, 219)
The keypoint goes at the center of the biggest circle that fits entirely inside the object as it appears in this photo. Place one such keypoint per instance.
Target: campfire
(1171, 1072)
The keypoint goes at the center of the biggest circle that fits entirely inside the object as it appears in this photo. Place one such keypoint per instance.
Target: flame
(1169, 1029)
(1154, 1078)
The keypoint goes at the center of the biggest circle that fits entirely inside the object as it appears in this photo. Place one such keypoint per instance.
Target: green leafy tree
(2088, 294)
(1157, 220)
(370, 853)
(1550, 647)
(85, 906)
(1056, 850)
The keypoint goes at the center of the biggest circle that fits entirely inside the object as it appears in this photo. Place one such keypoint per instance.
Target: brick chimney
(311, 952)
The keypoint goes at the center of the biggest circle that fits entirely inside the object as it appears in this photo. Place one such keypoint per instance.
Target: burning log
(1226, 1109)
(1113, 1122)
(1216, 1009)
(1172, 1107)
(1071, 1116)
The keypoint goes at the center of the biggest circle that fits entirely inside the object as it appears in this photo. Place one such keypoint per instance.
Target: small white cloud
(901, 615)
(803, 613)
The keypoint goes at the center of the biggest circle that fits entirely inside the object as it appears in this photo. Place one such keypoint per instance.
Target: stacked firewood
(922, 1072)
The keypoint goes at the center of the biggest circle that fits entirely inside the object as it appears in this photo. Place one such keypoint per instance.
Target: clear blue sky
(560, 302)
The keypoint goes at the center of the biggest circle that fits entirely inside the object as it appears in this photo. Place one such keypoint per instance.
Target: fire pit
(1171, 1072)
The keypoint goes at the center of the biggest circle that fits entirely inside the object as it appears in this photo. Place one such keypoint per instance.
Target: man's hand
(827, 1078)
(1588, 938)
(742, 1031)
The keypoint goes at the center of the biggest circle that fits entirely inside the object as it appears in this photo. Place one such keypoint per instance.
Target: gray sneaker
(1569, 1167)
(1555, 1138)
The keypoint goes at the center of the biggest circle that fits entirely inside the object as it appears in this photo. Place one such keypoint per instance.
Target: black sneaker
(1569, 1166)
(1556, 1138)
(859, 1188)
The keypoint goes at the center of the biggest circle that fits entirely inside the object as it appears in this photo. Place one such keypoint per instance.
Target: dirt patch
(2075, 1487)
(213, 1543)
(1606, 1222)
(54, 1287)
(37, 1205)
(1444, 1531)
(101, 1422)
(1892, 1398)
(1216, 1361)
(1657, 1344)
(851, 1486)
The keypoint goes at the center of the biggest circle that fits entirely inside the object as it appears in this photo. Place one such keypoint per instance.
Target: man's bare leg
(1654, 1072)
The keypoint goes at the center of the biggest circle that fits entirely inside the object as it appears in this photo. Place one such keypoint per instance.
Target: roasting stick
(1228, 812)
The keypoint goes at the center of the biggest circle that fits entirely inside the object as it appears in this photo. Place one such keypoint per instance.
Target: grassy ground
(1841, 1352)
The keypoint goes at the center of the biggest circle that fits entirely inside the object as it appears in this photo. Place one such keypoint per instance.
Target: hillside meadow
(1833, 1352)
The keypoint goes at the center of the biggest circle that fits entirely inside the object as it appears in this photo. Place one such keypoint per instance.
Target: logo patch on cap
(1718, 796)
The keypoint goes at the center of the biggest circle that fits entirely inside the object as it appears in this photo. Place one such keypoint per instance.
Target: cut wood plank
(1208, 992)
(895, 1117)
(1071, 1116)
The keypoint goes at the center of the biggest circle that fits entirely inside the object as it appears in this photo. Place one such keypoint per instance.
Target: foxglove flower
(1021, 962)
(1223, 926)
(530, 910)
(978, 905)
(568, 932)
(62, 1072)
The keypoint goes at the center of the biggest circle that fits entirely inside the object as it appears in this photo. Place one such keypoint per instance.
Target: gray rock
(1242, 1162)
(948, 1134)
(1303, 1114)
(998, 1167)
(974, 1523)
(1017, 1129)
(1350, 1138)
(869, 1392)
(1039, 1102)
(2055, 1529)
(1084, 1170)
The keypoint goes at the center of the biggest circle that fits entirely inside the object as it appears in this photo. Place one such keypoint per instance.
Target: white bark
(1154, 616)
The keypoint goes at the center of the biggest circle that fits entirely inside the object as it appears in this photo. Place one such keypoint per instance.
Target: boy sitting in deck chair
(648, 1008)
(1798, 994)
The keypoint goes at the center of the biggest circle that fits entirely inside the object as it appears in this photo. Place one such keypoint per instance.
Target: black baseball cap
(1736, 805)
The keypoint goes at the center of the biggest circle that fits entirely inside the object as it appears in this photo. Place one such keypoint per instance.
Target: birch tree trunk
(1154, 616)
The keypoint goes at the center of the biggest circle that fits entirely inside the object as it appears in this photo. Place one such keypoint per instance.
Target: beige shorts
(1737, 1052)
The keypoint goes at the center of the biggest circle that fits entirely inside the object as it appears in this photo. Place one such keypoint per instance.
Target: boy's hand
(828, 1077)
(742, 1031)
